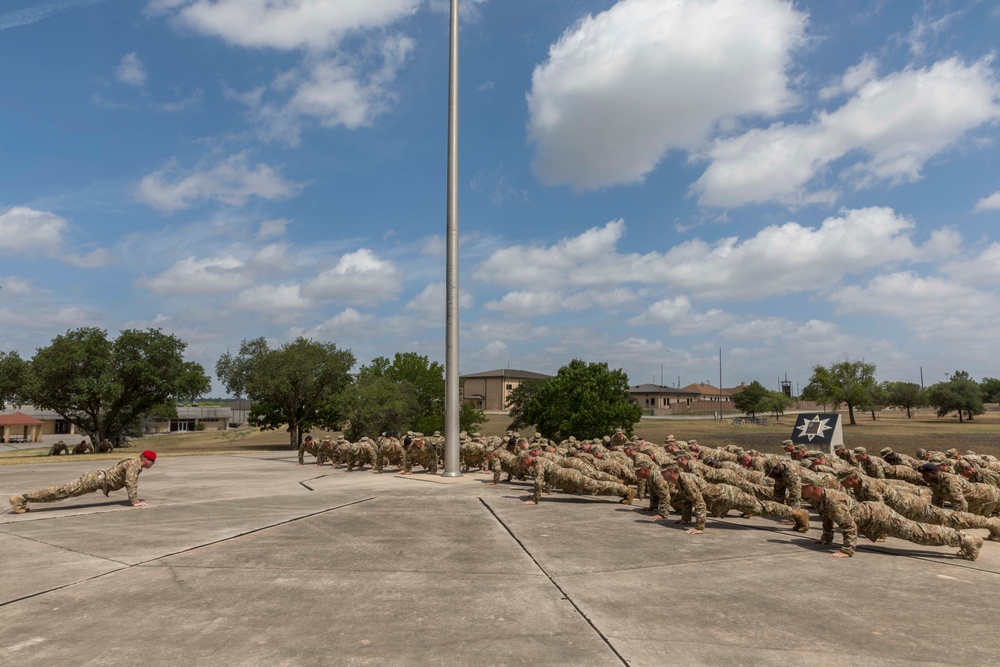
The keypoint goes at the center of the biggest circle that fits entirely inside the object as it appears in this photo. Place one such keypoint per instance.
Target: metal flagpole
(451, 401)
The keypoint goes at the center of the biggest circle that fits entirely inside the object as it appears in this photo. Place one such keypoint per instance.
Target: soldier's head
(671, 447)
(147, 458)
(966, 470)
(930, 471)
(850, 478)
(777, 470)
(798, 454)
(787, 445)
(527, 461)
(745, 461)
(812, 491)
(643, 473)
(671, 474)
(820, 460)
(309, 438)
(921, 454)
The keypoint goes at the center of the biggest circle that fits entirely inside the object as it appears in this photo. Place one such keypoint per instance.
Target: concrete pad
(177, 528)
(255, 560)
(31, 567)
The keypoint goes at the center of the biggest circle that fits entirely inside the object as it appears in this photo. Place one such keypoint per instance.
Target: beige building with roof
(489, 390)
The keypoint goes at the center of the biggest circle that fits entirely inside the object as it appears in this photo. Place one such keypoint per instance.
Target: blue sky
(641, 182)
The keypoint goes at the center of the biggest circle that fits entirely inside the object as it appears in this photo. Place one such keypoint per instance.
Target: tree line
(107, 388)
(854, 385)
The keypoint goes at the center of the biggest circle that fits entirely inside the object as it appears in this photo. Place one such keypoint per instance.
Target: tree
(905, 395)
(751, 399)
(297, 385)
(374, 405)
(106, 387)
(960, 394)
(13, 375)
(584, 400)
(776, 403)
(848, 382)
(990, 387)
(518, 400)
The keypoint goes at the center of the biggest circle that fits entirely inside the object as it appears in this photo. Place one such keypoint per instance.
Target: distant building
(701, 397)
(660, 399)
(192, 418)
(489, 390)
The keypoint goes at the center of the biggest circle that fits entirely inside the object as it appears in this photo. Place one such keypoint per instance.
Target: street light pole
(451, 398)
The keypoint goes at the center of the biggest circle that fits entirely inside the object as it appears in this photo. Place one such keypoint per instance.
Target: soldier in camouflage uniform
(964, 495)
(697, 497)
(307, 445)
(876, 520)
(978, 474)
(363, 453)
(105, 446)
(898, 459)
(124, 474)
(58, 448)
(914, 507)
(502, 461)
(422, 453)
(83, 448)
(390, 452)
(550, 475)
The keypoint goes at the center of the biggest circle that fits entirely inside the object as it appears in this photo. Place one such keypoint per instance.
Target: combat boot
(971, 544)
(628, 497)
(801, 518)
(993, 524)
(18, 504)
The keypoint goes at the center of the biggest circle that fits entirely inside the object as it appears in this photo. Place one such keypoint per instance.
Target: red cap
(150, 454)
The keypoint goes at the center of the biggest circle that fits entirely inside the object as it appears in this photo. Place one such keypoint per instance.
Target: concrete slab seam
(255, 530)
(56, 546)
(59, 588)
(559, 588)
(307, 486)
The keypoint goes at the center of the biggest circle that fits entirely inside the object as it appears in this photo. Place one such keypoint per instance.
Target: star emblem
(814, 428)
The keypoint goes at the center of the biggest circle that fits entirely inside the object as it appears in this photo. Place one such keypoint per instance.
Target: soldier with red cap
(124, 474)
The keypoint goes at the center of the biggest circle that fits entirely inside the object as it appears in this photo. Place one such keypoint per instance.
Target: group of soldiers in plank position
(83, 447)
(890, 495)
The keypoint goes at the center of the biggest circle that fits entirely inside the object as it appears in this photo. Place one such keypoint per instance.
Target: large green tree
(296, 386)
(905, 395)
(751, 399)
(847, 382)
(375, 404)
(959, 394)
(13, 375)
(424, 380)
(583, 400)
(106, 386)
(990, 387)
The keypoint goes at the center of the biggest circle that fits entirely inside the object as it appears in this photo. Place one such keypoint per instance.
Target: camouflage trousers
(303, 448)
(984, 500)
(921, 509)
(876, 520)
(88, 483)
(585, 468)
(720, 499)
(572, 481)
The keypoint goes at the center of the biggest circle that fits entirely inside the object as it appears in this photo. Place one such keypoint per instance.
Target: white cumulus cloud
(358, 278)
(893, 125)
(622, 88)
(231, 181)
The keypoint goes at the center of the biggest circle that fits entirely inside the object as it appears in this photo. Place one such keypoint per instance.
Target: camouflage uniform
(83, 448)
(105, 446)
(500, 461)
(390, 452)
(421, 453)
(920, 509)
(581, 466)
(548, 475)
(876, 520)
(307, 445)
(58, 448)
(124, 474)
(697, 497)
(363, 454)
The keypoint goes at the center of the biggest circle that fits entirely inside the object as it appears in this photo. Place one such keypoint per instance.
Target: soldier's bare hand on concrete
(694, 531)
(530, 502)
(656, 517)
(140, 503)
(839, 554)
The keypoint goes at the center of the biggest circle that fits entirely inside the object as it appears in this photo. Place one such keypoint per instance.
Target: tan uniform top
(125, 473)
